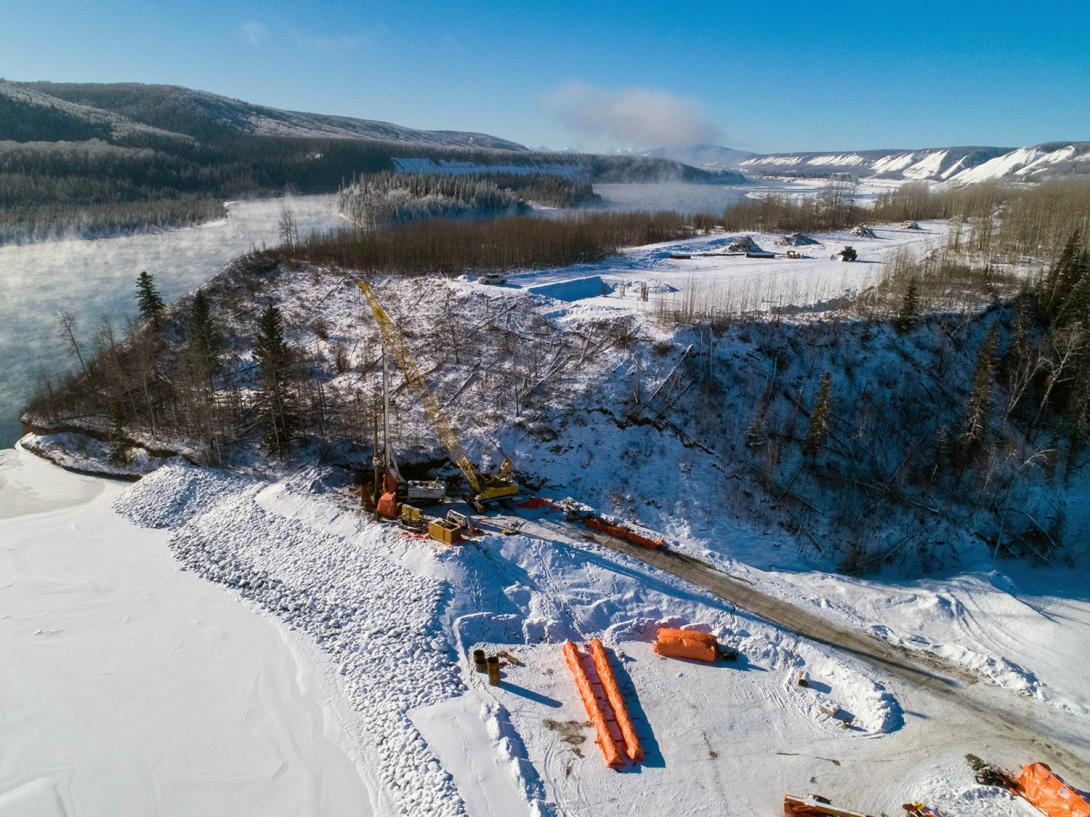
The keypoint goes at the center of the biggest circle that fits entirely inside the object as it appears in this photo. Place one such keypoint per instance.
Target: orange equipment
(594, 707)
(632, 745)
(693, 644)
(594, 523)
(387, 506)
(1049, 793)
(797, 807)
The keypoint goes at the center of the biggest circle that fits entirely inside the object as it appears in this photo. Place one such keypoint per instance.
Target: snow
(761, 284)
(998, 167)
(27, 486)
(132, 688)
(927, 167)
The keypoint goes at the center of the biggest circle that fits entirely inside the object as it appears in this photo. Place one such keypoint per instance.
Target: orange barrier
(613, 693)
(1049, 793)
(697, 635)
(693, 644)
(594, 709)
(622, 533)
(797, 807)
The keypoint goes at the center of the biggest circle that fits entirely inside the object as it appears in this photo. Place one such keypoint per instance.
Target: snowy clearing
(811, 283)
(131, 688)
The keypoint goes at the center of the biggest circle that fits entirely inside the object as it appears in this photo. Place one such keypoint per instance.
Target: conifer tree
(1075, 288)
(203, 343)
(277, 418)
(1078, 417)
(149, 300)
(980, 395)
(1051, 289)
(818, 432)
(910, 307)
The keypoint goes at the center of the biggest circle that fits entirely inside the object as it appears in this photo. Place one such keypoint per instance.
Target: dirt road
(1011, 720)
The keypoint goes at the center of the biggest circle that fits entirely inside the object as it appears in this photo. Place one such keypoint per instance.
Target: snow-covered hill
(198, 113)
(956, 165)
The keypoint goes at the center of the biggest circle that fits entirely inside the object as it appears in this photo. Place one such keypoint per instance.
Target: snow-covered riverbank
(129, 687)
(96, 280)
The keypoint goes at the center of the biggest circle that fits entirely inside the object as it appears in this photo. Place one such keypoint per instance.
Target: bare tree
(67, 322)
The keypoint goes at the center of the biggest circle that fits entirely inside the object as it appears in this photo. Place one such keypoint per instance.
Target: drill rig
(486, 487)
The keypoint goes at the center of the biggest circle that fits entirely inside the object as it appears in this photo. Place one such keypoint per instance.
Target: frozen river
(96, 279)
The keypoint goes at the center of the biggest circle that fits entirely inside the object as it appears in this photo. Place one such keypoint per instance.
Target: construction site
(569, 556)
(494, 503)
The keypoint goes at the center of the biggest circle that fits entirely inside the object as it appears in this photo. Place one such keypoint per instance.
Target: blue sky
(599, 75)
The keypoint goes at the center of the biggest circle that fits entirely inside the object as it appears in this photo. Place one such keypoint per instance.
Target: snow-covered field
(129, 687)
(809, 283)
(96, 279)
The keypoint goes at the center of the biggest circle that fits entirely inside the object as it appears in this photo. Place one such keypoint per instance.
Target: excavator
(486, 488)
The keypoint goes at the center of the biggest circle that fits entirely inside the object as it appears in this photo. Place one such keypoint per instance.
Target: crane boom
(483, 486)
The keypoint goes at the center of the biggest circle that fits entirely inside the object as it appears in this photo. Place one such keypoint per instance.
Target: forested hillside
(95, 159)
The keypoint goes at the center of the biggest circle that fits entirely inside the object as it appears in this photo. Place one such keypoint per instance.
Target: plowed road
(1064, 740)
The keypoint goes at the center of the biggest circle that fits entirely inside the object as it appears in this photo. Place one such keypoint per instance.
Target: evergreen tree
(910, 307)
(277, 417)
(1050, 291)
(1075, 288)
(818, 432)
(150, 302)
(1078, 417)
(980, 395)
(203, 343)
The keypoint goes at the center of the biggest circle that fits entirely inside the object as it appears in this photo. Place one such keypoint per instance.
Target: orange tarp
(613, 694)
(692, 644)
(594, 708)
(1050, 794)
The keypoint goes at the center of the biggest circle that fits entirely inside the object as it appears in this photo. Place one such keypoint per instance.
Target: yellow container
(443, 531)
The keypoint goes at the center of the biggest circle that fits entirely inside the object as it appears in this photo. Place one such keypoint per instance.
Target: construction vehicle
(486, 488)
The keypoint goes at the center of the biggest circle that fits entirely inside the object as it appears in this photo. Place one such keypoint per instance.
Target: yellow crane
(486, 487)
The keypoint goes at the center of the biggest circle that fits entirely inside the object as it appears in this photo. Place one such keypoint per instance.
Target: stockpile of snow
(379, 621)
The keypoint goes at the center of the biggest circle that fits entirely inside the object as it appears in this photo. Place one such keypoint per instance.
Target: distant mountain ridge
(201, 115)
(955, 165)
(707, 157)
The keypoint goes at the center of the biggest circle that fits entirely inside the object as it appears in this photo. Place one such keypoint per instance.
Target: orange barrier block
(594, 709)
(613, 693)
(673, 632)
(691, 644)
(1049, 793)
(623, 533)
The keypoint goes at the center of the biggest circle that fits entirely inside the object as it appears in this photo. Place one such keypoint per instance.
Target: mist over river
(97, 278)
